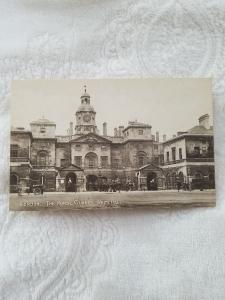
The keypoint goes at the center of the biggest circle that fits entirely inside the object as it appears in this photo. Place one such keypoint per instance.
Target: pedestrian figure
(178, 186)
(190, 185)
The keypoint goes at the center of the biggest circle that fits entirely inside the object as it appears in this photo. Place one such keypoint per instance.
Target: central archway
(152, 181)
(70, 184)
(92, 183)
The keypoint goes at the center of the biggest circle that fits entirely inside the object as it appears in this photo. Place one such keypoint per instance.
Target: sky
(168, 105)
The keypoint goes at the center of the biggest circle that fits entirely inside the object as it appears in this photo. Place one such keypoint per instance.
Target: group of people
(116, 185)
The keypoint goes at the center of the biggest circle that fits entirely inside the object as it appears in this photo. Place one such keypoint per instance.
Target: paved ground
(102, 199)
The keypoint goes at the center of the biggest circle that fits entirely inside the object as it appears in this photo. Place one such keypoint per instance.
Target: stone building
(85, 160)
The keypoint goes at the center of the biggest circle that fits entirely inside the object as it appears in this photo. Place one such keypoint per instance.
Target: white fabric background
(126, 254)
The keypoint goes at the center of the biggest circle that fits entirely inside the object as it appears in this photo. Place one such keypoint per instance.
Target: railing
(42, 167)
(19, 159)
(172, 162)
(199, 159)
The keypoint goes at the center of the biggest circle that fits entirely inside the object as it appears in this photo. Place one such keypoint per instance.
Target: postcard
(111, 143)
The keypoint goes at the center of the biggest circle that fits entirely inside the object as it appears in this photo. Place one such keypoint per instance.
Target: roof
(86, 107)
(137, 125)
(19, 129)
(85, 94)
(115, 139)
(194, 131)
(200, 130)
(42, 121)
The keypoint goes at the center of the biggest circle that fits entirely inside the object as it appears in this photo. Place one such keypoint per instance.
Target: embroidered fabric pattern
(132, 254)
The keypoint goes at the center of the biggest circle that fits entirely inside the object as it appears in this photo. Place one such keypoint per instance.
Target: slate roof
(200, 130)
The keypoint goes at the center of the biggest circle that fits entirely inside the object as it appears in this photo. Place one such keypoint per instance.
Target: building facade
(85, 160)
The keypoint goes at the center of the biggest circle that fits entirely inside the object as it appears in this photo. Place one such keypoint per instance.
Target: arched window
(42, 158)
(181, 177)
(141, 158)
(91, 160)
(13, 179)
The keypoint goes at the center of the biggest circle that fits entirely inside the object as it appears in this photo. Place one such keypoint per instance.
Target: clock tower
(85, 116)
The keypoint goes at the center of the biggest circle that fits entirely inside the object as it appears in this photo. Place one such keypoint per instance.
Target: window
(14, 150)
(62, 162)
(167, 156)
(78, 161)
(140, 161)
(104, 148)
(173, 154)
(204, 150)
(155, 147)
(78, 147)
(115, 163)
(180, 153)
(141, 157)
(140, 132)
(197, 151)
(104, 161)
(91, 160)
(42, 158)
(42, 129)
(91, 147)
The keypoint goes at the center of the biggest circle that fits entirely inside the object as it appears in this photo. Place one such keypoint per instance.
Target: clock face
(87, 118)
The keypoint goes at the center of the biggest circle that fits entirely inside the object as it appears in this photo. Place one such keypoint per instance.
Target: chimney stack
(164, 137)
(121, 128)
(104, 129)
(157, 136)
(115, 132)
(204, 121)
(71, 128)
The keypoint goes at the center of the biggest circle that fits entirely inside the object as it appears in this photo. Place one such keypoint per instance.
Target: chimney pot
(121, 128)
(105, 129)
(204, 121)
(157, 136)
(164, 137)
(115, 132)
(71, 128)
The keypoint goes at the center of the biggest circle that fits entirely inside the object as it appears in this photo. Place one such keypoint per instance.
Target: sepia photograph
(111, 143)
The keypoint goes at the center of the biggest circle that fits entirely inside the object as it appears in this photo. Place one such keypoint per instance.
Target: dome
(85, 94)
(86, 107)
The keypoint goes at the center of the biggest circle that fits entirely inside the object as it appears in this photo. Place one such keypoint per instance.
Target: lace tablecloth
(121, 254)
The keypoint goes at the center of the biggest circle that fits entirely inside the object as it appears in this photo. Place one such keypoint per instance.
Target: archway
(70, 184)
(173, 181)
(152, 181)
(181, 177)
(92, 183)
(13, 179)
(168, 181)
(211, 180)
